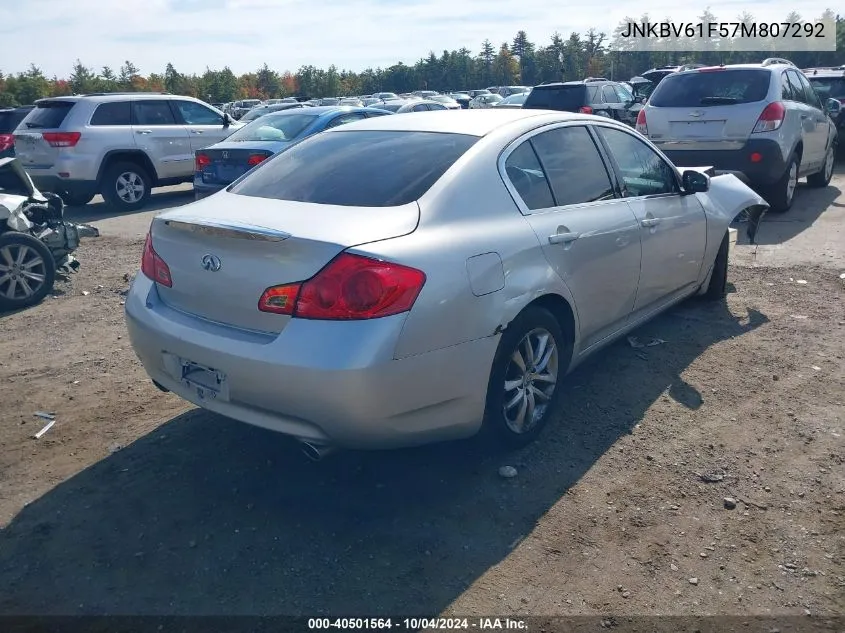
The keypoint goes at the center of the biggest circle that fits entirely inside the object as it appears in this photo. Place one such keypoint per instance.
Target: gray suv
(120, 145)
(762, 122)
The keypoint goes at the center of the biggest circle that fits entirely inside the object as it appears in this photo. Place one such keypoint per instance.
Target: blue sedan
(217, 166)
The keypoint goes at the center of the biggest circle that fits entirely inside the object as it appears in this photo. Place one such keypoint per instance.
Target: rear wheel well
(137, 157)
(560, 309)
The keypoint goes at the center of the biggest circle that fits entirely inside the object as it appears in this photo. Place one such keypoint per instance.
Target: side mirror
(834, 107)
(227, 120)
(695, 182)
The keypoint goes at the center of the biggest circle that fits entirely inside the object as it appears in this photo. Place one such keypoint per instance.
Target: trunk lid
(255, 243)
(230, 161)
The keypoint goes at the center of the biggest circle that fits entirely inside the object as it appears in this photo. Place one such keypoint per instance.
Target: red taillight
(62, 139)
(154, 266)
(756, 157)
(642, 128)
(350, 287)
(253, 160)
(202, 161)
(771, 117)
(585, 110)
(7, 141)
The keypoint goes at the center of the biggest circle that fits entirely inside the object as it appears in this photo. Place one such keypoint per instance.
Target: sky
(286, 34)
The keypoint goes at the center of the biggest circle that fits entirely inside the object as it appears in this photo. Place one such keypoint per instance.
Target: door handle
(143, 131)
(563, 238)
(196, 131)
(805, 116)
(648, 222)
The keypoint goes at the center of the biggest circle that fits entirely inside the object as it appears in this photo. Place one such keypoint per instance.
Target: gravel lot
(136, 503)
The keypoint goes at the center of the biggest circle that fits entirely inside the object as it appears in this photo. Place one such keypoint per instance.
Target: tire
(23, 256)
(76, 200)
(501, 415)
(822, 178)
(781, 195)
(126, 186)
(718, 287)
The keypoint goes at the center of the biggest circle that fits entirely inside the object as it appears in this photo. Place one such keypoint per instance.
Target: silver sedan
(410, 279)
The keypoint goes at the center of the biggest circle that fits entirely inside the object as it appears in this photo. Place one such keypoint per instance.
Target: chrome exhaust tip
(315, 452)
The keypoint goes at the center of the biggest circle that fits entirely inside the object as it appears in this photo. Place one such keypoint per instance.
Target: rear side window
(152, 113)
(711, 88)
(573, 166)
(48, 114)
(116, 113)
(525, 172)
(566, 98)
(357, 168)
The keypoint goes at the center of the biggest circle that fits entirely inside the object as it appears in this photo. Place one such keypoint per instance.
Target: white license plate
(206, 383)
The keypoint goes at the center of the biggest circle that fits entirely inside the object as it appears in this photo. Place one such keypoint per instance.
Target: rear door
(205, 126)
(589, 236)
(816, 124)
(159, 135)
(673, 227)
(30, 147)
(707, 109)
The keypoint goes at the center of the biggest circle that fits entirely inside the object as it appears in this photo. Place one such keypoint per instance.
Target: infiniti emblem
(211, 262)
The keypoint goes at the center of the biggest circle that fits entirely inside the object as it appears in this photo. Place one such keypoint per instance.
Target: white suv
(762, 122)
(120, 145)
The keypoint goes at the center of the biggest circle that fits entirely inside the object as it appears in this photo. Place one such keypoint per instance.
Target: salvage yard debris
(46, 428)
(634, 342)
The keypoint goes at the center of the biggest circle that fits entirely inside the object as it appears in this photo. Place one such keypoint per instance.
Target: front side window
(360, 168)
(573, 165)
(526, 174)
(152, 113)
(196, 114)
(644, 172)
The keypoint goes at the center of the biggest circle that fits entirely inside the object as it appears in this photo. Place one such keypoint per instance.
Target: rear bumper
(763, 172)
(54, 184)
(203, 189)
(325, 382)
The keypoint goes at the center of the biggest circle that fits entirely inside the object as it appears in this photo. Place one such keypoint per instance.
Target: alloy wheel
(530, 380)
(130, 187)
(22, 271)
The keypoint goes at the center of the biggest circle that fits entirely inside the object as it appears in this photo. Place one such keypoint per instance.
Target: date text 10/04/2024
(416, 624)
(724, 29)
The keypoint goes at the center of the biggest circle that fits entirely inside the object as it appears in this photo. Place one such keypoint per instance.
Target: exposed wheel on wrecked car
(126, 186)
(27, 270)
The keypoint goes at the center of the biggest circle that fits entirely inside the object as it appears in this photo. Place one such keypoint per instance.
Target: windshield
(362, 169)
(274, 127)
(829, 87)
(515, 99)
(711, 88)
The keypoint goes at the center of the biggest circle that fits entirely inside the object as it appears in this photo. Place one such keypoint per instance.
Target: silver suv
(762, 122)
(120, 144)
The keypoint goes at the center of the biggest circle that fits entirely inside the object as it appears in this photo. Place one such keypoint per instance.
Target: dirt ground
(137, 503)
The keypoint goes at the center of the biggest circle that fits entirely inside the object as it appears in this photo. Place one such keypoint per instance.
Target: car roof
(320, 110)
(471, 122)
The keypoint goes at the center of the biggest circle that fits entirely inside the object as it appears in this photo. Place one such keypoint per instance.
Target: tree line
(518, 62)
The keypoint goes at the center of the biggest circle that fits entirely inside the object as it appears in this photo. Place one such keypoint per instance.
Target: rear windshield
(567, 98)
(828, 87)
(9, 120)
(362, 169)
(274, 127)
(48, 114)
(713, 88)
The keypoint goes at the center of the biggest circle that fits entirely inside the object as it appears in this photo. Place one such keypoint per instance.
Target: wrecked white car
(35, 241)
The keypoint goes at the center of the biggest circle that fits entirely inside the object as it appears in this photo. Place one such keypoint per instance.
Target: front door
(162, 138)
(673, 227)
(205, 126)
(589, 236)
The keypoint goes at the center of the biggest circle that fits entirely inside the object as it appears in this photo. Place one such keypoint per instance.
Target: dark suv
(829, 83)
(594, 95)
(9, 119)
